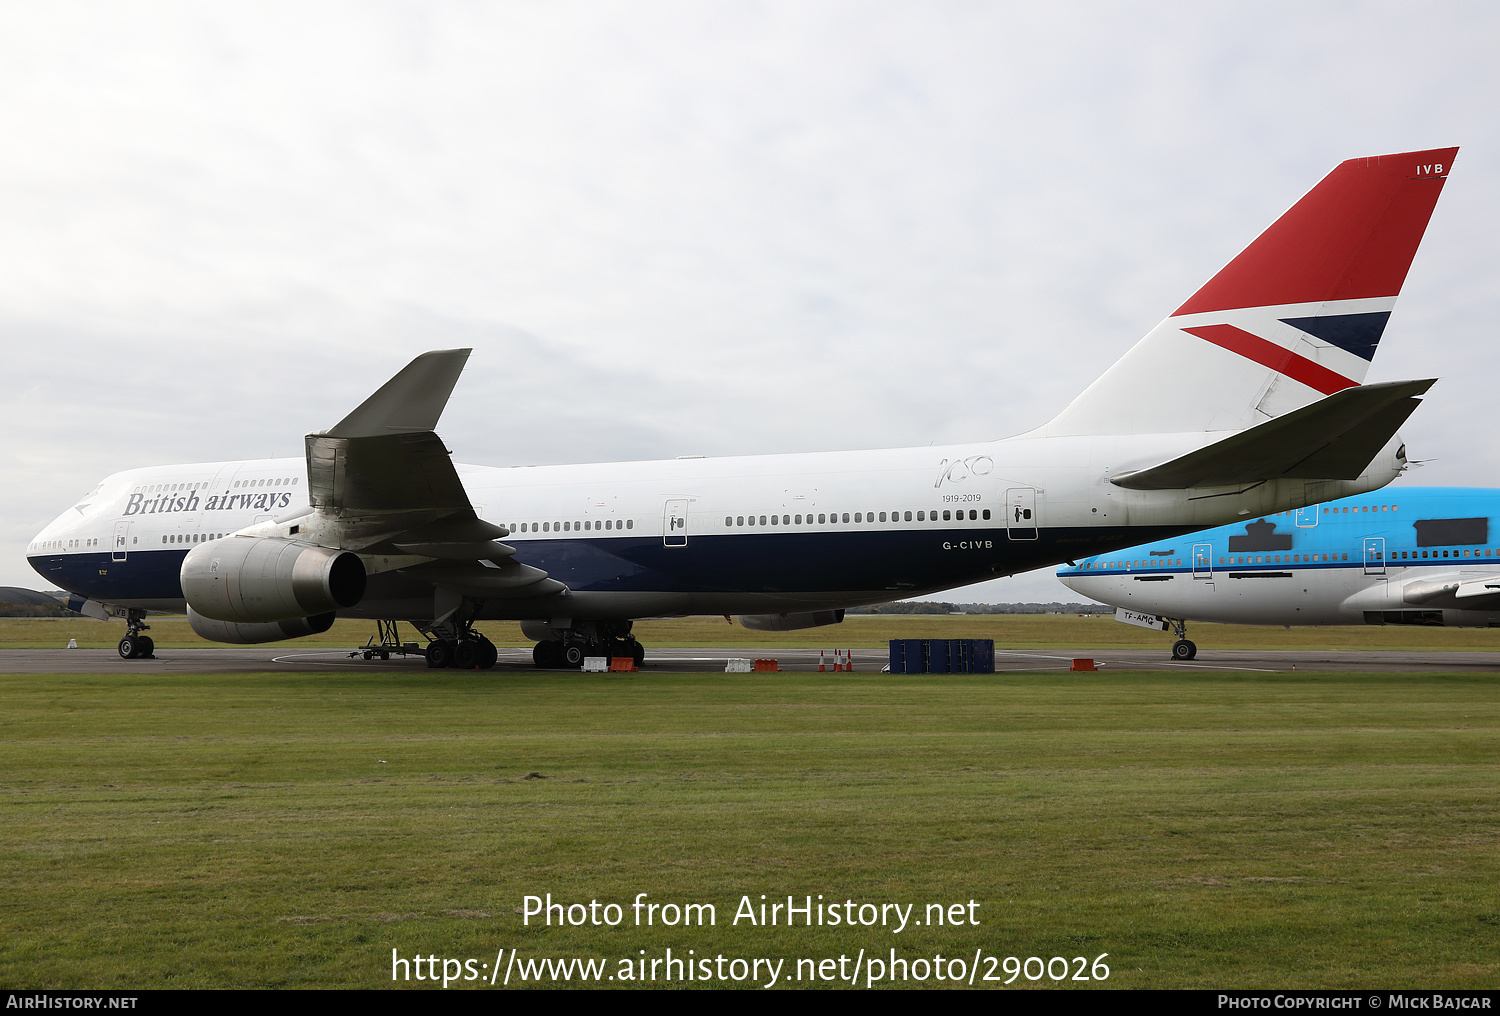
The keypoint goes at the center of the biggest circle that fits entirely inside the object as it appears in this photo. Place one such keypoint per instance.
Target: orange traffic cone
(821, 668)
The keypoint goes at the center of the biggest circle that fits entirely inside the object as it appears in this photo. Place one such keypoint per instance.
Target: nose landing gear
(135, 646)
(1182, 649)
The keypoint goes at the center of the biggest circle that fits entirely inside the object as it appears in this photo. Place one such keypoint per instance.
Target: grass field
(1012, 631)
(1312, 830)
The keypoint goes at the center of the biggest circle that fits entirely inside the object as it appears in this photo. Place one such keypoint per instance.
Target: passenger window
(799, 520)
(857, 517)
(921, 516)
(775, 519)
(822, 520)
(762, 520)
(630, 523)
(846, 516)
(546, 527)
(946, 516)
(882, 516)
(986, 514)
(973, 515)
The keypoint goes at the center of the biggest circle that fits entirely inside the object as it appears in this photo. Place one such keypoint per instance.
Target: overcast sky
(685, 228)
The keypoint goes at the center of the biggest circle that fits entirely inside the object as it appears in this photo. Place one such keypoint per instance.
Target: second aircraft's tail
(1294, 318)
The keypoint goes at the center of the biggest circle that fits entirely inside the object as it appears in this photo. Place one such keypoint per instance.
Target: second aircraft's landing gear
(1182, 649)
(571, 646)
(135, 646)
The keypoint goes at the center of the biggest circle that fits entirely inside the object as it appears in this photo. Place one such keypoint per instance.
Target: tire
(439, 653)
(1192, 650)
(145, 648)
(573, 656)
(488, 654)
(637, 652)
(128, 648)
(465, 655)
(1182, 649)
(547, 654)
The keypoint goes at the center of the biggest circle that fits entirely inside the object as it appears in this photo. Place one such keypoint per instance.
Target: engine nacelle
(250, 634)
(792, 622)
(250, 580)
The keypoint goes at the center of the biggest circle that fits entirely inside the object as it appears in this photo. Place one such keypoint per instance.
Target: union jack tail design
(1294, 318)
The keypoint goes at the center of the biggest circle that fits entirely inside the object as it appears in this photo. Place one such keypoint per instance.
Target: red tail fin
(1352, 237)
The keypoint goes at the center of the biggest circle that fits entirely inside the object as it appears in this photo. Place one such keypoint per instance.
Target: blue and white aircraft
(1266, 412)
(1405, 555)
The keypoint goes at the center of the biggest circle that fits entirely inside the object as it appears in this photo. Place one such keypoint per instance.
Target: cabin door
(674, 523)
(1020, 513)
(1203, 560)
(1374, 555)
(119, 548)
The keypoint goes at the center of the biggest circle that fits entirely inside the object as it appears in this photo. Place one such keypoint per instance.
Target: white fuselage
(742, 534)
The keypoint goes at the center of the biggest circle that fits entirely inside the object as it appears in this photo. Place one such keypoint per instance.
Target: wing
(1456, 592)
(383, 484)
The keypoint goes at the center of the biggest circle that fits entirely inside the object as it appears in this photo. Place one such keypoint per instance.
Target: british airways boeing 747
(1267, 360)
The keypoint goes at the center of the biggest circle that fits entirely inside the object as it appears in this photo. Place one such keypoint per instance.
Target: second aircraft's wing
(1333, 439)
(1457, 592)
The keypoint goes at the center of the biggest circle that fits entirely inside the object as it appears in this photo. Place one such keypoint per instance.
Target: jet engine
(792, 622)
(250, 580)
(249, 634)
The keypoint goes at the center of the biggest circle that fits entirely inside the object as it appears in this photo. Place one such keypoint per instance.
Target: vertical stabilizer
(1295, 317)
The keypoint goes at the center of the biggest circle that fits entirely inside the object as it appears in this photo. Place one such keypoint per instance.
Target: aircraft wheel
(129, 650)
(145, 648)
(488, 654)
(465, 655)
(1182, 649)
(637, 652)
(547, 654)
(573, 656)
(439, 653)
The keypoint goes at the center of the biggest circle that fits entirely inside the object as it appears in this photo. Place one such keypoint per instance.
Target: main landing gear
(471, 651)
(610, 639)
(135, 646)
(1182, 649)
(449, 644)
(453, 642)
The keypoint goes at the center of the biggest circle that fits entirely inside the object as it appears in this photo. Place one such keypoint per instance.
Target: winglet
(411, 402)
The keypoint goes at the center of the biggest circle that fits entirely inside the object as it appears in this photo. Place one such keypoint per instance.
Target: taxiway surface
(252, 659)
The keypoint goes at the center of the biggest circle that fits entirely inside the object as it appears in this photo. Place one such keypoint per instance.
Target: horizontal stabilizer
(409, 403)
(1333, 439)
